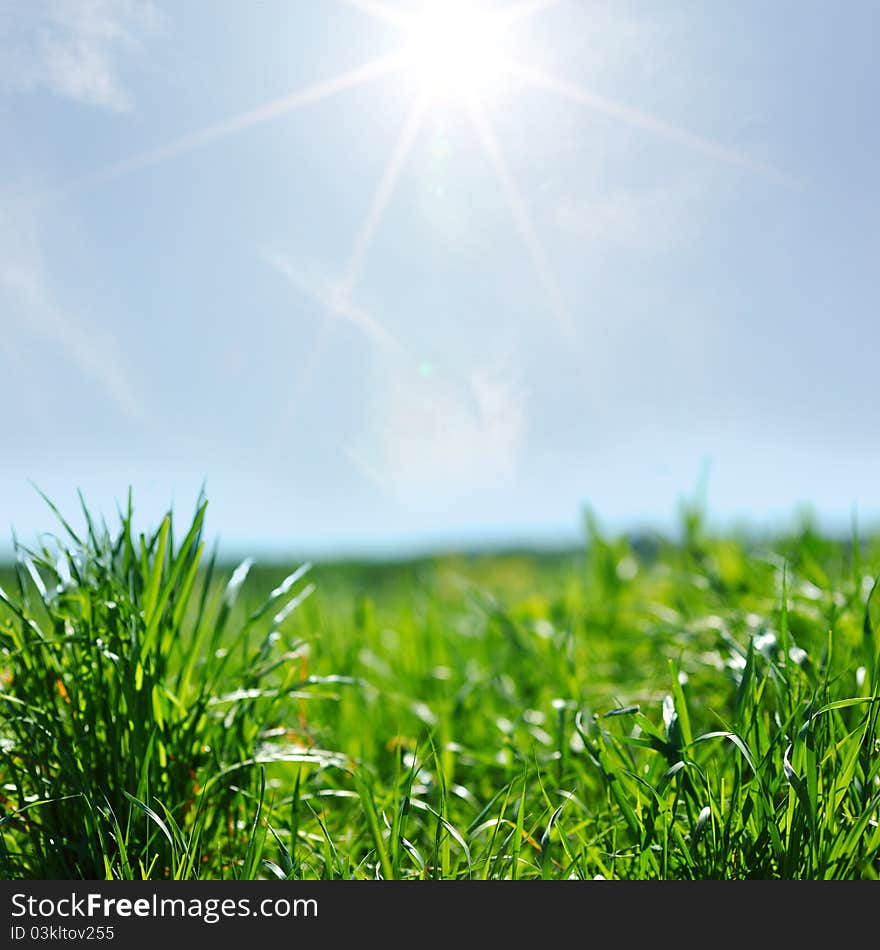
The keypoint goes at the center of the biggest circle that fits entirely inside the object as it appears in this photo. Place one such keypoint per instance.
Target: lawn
(692, 707)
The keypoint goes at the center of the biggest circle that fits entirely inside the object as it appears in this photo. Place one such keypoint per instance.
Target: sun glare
(456, 51)
(467, 54)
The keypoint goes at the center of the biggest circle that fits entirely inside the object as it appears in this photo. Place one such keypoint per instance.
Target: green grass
(653, 709)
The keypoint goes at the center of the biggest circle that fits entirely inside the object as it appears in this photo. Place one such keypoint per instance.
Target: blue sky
(594, 252)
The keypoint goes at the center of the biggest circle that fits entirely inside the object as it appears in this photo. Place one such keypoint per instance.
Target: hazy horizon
(415, 546)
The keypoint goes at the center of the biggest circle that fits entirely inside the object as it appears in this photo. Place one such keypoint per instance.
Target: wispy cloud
(72, 48)
(436, 433)
(30, 308)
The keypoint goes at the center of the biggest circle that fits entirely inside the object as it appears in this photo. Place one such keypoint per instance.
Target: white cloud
(72, 48)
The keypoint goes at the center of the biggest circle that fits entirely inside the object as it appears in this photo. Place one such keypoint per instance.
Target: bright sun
(456, 51)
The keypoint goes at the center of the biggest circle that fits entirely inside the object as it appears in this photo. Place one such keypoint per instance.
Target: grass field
(640, 709)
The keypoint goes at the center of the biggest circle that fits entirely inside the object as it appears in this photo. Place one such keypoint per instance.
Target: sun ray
(522, 221)
(367, 469)
(384, 193)
(523, 10)
(303, 381)
(333, 298)
(615, 110)
(380, 11)
(334, 303)
(238, 123)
